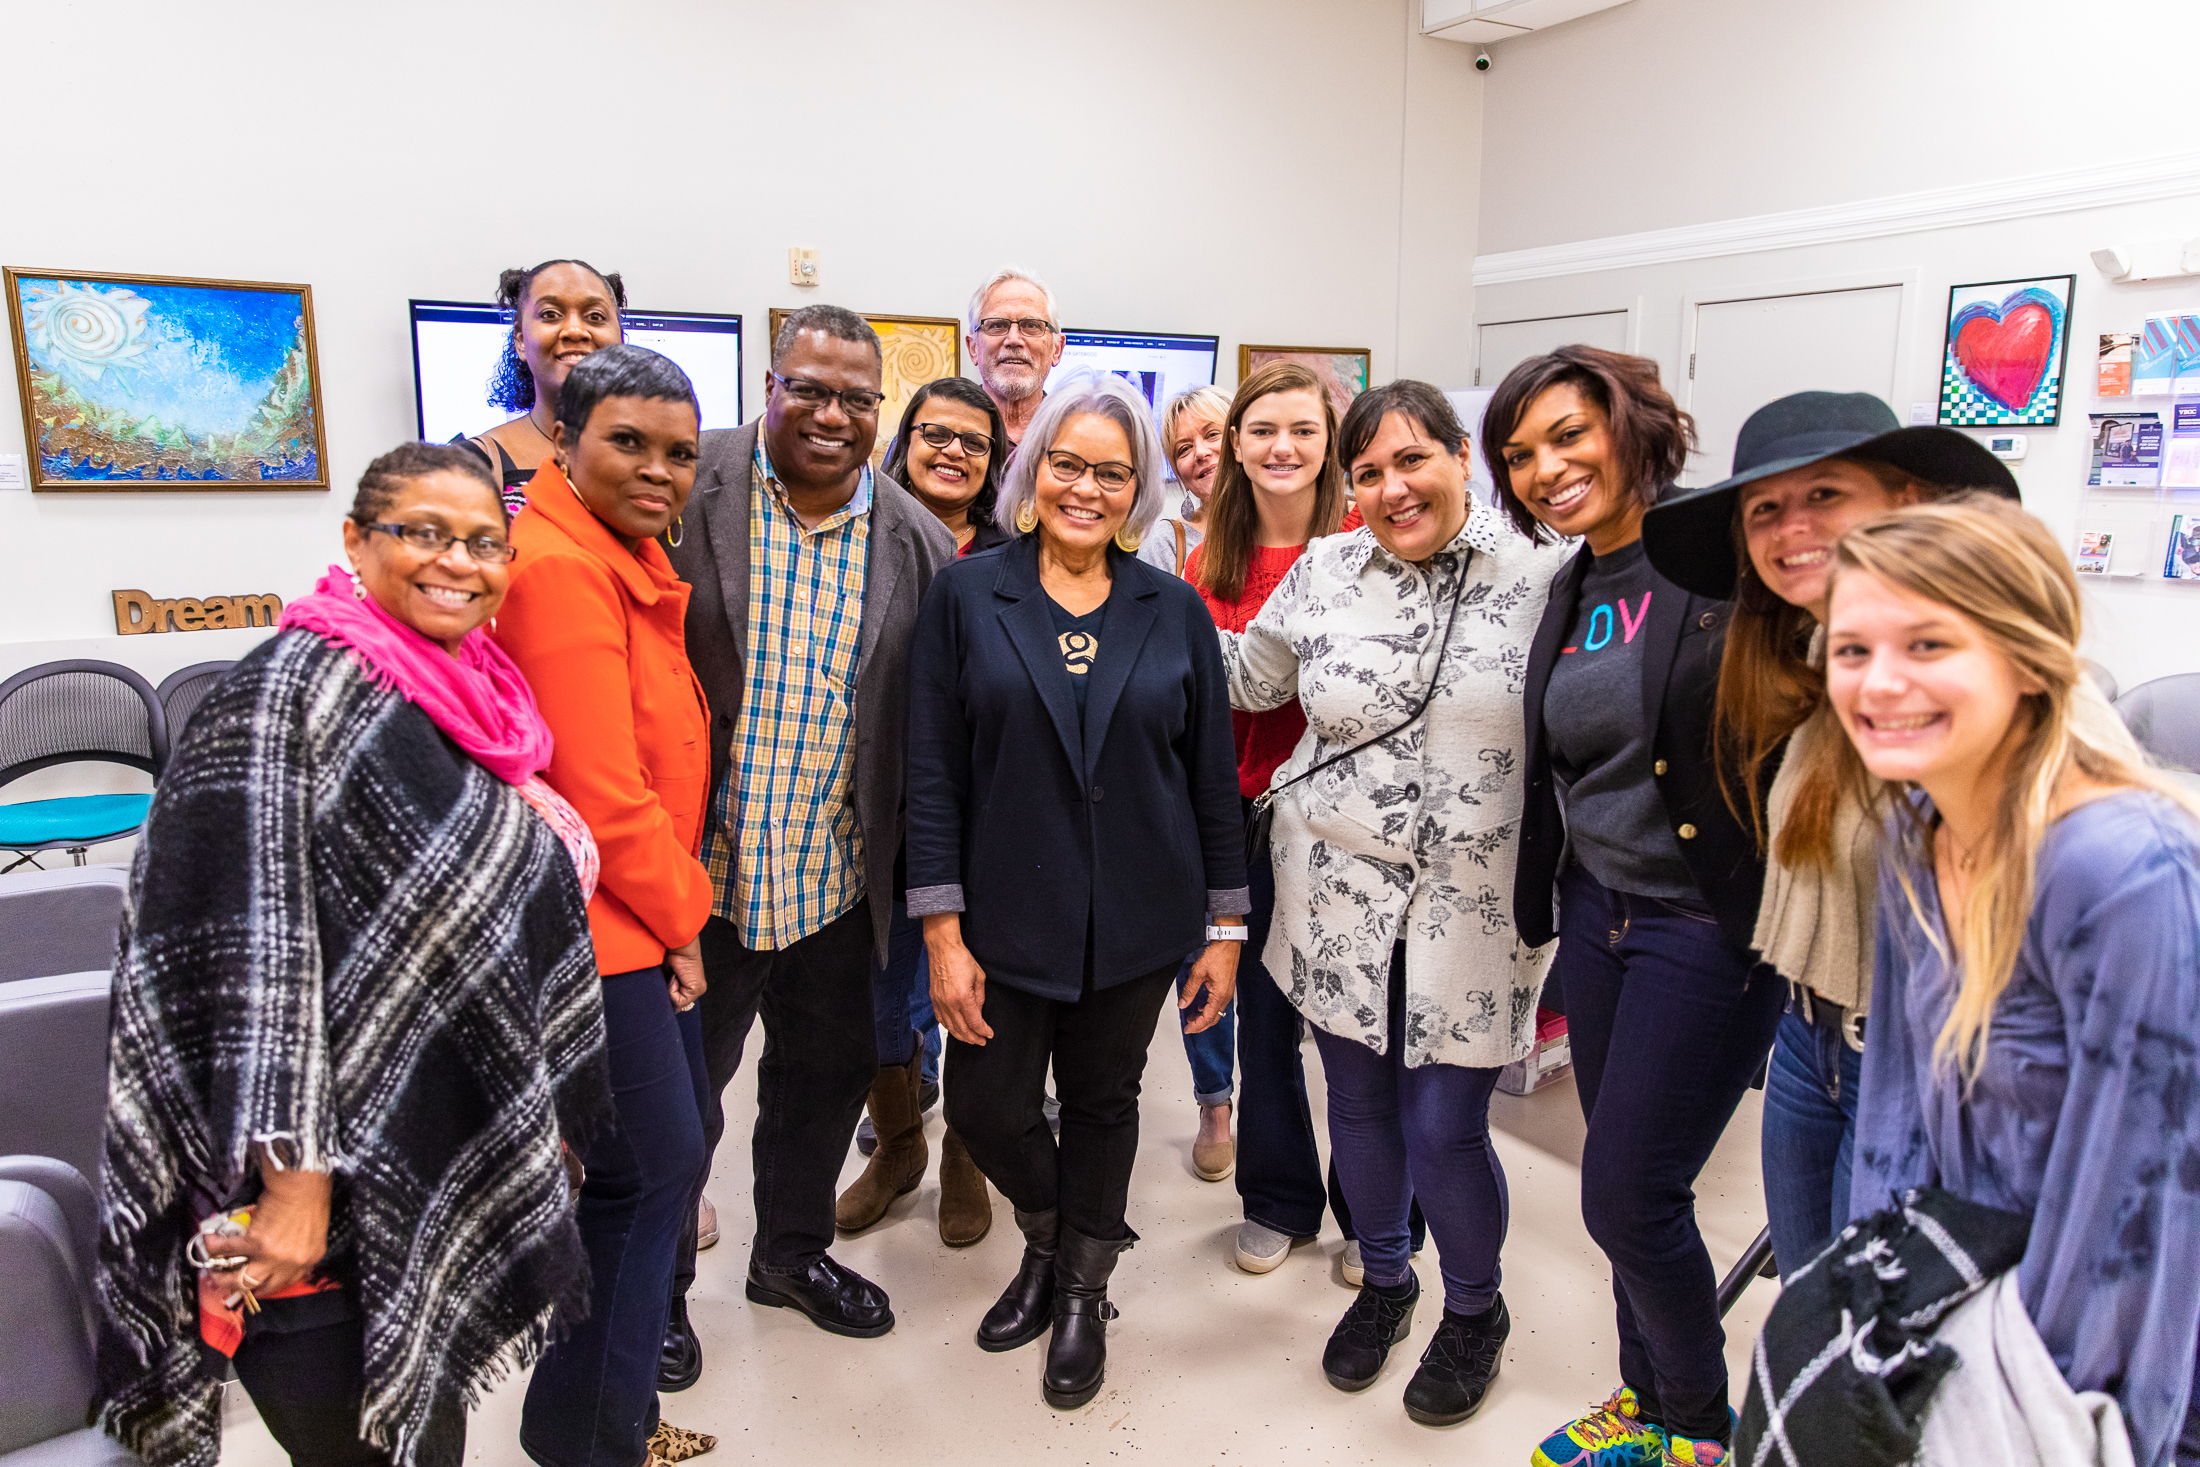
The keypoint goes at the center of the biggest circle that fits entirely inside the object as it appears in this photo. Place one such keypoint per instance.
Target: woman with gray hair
(1073, 830)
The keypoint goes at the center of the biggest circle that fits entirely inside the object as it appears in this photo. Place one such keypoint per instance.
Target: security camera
(1481, 59)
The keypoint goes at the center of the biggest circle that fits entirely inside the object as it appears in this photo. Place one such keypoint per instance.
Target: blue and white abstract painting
(132, 381)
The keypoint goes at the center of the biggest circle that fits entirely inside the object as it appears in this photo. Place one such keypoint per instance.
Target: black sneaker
(928, 1095)
(1458, 1366)
(1361, 1342)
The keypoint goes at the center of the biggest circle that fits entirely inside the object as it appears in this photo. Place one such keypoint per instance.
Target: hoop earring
(1127, 540)
(677, 533)
(1027, 518)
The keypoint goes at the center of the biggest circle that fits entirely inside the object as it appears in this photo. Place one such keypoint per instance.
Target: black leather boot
(1077, 1355)
(1026, 1306)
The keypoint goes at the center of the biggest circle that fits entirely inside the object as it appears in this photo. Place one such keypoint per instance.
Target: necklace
(538, 431)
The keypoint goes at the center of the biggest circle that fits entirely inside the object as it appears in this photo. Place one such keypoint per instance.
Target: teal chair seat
(77, 820)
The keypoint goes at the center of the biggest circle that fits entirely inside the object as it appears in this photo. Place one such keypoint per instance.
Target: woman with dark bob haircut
(1628, 831)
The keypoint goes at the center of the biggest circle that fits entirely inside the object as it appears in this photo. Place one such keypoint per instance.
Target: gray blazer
(907, 546)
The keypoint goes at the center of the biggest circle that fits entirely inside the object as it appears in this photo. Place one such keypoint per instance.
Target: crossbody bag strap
(1267, 797)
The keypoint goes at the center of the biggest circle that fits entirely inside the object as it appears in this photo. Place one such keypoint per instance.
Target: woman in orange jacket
(594, 618)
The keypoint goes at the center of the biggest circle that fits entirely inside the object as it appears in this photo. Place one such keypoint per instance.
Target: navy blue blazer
(1037, 827)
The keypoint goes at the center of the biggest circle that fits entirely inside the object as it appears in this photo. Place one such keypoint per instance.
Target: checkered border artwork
(1962, 404)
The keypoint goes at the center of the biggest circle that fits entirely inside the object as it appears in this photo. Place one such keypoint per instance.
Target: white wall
(1664, 114)
(1224, 166)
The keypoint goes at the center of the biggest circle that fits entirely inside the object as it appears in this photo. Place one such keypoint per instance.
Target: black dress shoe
(680, 1363)
(1361, 1342)
(1458, 1366)
(836, 1299)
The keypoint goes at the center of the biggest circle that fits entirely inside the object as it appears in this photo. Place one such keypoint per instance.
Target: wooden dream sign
(137, 613)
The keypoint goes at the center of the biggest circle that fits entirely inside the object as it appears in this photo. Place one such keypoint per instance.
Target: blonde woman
(2035, 1003)
(1191, 440)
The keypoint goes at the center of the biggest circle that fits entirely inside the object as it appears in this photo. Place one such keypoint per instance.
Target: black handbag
(1263, 816)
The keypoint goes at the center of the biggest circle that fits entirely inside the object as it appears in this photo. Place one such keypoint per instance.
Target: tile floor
(1206, 1366)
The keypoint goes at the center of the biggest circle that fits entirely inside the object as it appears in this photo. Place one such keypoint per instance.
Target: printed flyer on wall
(2127, 450)
(2093, 548)
(2181, 458)
(2112, 378)
(2183, 561)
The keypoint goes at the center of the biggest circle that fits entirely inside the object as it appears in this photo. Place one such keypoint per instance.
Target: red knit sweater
(1266, 739)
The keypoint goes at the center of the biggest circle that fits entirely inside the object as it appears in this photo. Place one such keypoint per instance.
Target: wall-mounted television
(1159, 364)
(456, 346)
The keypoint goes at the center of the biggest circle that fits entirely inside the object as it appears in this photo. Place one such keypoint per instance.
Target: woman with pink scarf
(357, 1026)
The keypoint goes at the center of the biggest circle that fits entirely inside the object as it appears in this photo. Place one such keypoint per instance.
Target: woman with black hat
(1806, 469)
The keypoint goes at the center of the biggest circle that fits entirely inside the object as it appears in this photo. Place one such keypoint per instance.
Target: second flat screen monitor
(1159, 365)
(456, 346)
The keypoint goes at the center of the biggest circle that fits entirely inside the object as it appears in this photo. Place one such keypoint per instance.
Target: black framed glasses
(997, 326)
(1069, 468)
(939, 435)
(859, 402)
(485, 549)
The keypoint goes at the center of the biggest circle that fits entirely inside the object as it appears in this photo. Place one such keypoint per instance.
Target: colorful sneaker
(1689, 1451)
(1613, 1435)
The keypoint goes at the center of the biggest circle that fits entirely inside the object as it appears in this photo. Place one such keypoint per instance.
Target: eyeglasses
(977, 445)
(998, 326)
(485, 549)
(1069, 468)
(860, 402)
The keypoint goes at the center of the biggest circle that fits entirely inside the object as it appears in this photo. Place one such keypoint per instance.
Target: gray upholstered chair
(76, 712)
(2164, 716)
(48, 1224)
(2102, 678)
(53, 1068)
(59, 921)
(183, 690)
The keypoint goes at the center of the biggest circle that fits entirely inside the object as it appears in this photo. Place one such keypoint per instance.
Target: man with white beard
(1015, 338)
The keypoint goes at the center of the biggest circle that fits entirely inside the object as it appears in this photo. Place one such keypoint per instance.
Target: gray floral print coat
(1414, 838)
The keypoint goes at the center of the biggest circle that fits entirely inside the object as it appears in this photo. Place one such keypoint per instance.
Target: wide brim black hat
(1690, 540)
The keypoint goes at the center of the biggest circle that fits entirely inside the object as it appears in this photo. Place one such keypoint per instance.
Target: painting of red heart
(2007, 343)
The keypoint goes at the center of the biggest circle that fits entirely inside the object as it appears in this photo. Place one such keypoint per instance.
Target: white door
(1749, 352)
(1504, 345)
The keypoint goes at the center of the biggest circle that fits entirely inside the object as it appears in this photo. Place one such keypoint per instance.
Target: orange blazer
(599, 632)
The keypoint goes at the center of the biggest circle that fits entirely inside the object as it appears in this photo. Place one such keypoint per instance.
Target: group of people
(463, 893)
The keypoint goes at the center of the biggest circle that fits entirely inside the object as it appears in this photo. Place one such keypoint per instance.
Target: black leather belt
(1819, 1009)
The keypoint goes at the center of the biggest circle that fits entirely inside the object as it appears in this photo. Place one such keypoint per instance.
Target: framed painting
(1343, 370)
(155, 381)
(2002, 361)
(917, 350)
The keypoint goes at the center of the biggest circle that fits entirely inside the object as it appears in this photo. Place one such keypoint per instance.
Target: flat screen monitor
(456, 346)
(1158, 364)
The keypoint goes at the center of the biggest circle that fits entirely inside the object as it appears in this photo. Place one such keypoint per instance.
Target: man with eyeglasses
(1015, 338)
(806, 572)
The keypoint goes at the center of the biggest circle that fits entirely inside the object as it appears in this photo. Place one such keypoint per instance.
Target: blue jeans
(1401, 1135)
(1669, 1024)
(1810, 1130)
(901, 997)
(1212, 1051)
(593, 1399)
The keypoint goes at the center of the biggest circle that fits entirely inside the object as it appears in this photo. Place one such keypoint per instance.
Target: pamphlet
(2127, 450)
(2154, 358)
(2092, 557)
(2112, 378)
(2188, 354)
(2181, 458)
(2183, 561)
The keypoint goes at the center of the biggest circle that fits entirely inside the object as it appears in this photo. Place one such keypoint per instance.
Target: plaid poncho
(349, 942)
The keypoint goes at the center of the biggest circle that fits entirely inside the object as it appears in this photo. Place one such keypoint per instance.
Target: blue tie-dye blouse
(2086, 1112)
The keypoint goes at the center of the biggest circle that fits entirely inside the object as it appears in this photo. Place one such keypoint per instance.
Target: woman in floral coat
(1393, 929)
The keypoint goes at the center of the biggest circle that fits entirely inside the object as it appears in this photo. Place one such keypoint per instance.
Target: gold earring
(1027, 518)
(674, 535)
(1126, 539)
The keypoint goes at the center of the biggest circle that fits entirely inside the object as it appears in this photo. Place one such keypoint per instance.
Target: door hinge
(1478, 376)
(1691, 366)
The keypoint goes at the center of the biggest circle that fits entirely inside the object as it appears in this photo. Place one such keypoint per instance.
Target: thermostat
(2008, 446)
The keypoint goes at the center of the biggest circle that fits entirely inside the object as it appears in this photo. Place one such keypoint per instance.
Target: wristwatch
(1225, 934)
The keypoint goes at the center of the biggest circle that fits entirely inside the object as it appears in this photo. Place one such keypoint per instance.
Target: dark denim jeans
(1401, 1135)
(1810, 1131)
(593, 1399)
(1669, 1024)
(1212, 1051)
(893, 990)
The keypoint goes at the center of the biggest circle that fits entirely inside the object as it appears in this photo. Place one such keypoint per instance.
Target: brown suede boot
(898, 1165)
(966, 1206)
